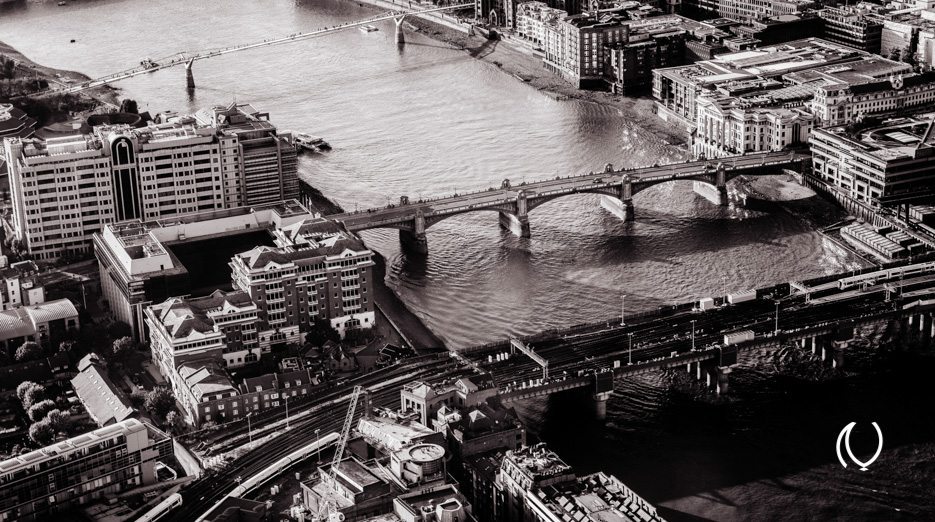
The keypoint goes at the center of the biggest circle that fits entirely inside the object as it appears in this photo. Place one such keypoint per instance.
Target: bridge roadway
(187, 58)
(666, 342)
(617, 188)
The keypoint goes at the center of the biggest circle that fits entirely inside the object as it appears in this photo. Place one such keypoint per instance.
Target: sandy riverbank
(516, 59)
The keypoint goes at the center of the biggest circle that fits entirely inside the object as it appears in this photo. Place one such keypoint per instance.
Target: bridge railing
(704, 164)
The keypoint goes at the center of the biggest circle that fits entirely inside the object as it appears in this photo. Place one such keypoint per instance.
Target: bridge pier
(400, 37)
(623, 209)
(716, 195)
(414, 240)
(718, 378)
(189, 75)
(600, 404)
(834, 353)
(518, 222)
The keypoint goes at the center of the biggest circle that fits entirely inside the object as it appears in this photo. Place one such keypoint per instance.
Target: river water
(427, 120)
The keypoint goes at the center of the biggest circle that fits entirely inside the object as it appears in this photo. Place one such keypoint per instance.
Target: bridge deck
(493, 197)
(185, 57)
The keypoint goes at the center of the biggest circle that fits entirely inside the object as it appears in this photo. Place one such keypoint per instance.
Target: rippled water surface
(428, 120)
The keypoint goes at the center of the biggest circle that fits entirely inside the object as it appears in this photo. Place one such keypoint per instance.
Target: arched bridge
(617, 188)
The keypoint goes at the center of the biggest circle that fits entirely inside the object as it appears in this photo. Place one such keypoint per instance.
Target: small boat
(368, 28)
(63, 3)
(72, 40)
(310, 143)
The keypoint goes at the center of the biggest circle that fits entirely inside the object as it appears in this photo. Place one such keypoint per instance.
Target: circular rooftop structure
(426, 452)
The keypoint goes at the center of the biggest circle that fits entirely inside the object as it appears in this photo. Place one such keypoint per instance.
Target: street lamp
(623, 310)
(287, 410)
(318, 443)
(630, 350)
(250, 426)
(693, 334)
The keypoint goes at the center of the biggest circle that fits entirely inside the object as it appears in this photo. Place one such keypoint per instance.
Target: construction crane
(345, 431)
(326, 509)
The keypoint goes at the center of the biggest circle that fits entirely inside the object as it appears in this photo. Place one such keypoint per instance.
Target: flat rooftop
(894, 138)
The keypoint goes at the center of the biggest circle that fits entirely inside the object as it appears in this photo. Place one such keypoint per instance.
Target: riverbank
(61, 107)
(516, 59)
(403, 320)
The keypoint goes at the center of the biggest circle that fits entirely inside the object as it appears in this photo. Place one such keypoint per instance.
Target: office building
(873, 161)
(858, 26)
(15, 123)
(146, 262)
(68, 188)
(527, 469)
(83, 469)
(426, 399)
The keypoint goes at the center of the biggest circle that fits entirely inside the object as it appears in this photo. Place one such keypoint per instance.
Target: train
(171, 502)
(871, 278)
(276, 468)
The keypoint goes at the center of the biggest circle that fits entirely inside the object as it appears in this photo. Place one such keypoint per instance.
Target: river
(427, 120)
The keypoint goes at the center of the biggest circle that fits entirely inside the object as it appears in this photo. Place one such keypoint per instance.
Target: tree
(130, 106)
(31, 394)
(39, 410)
(42, 433)
(29, 351)
(159, 402)
(122, 347)
(119, 329)
(321, 332)
(23, 387)
(138, 399)
(175, 422)
(58, 419)
(7, 70)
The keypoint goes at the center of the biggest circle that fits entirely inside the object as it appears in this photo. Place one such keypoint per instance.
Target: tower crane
(326, 510)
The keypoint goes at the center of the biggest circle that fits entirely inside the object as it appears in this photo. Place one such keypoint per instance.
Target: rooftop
(105, 404)
(598, 498)
(894, 138)
(76, 443)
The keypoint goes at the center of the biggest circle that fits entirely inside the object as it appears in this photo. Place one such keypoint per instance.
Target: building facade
(66, 189)
(104, 462)
(892, 158)
(137, 263)
(317, 271)
(21, 285)
(854, 27)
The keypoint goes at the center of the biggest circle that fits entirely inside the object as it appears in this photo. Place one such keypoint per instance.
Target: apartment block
(317, 270)
(90, 467)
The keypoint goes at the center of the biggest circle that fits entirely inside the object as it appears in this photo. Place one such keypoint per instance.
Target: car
(598, 180)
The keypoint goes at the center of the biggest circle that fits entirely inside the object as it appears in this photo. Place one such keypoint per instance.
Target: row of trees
(47, 419)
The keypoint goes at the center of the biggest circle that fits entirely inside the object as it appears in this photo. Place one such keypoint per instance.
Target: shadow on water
(772, 426)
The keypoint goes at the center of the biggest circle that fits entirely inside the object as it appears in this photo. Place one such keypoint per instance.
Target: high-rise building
(104, 462)
(66, 189)
(316, 271)
(856, 27)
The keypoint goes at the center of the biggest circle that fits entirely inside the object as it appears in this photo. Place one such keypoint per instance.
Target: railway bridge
(616, 187)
